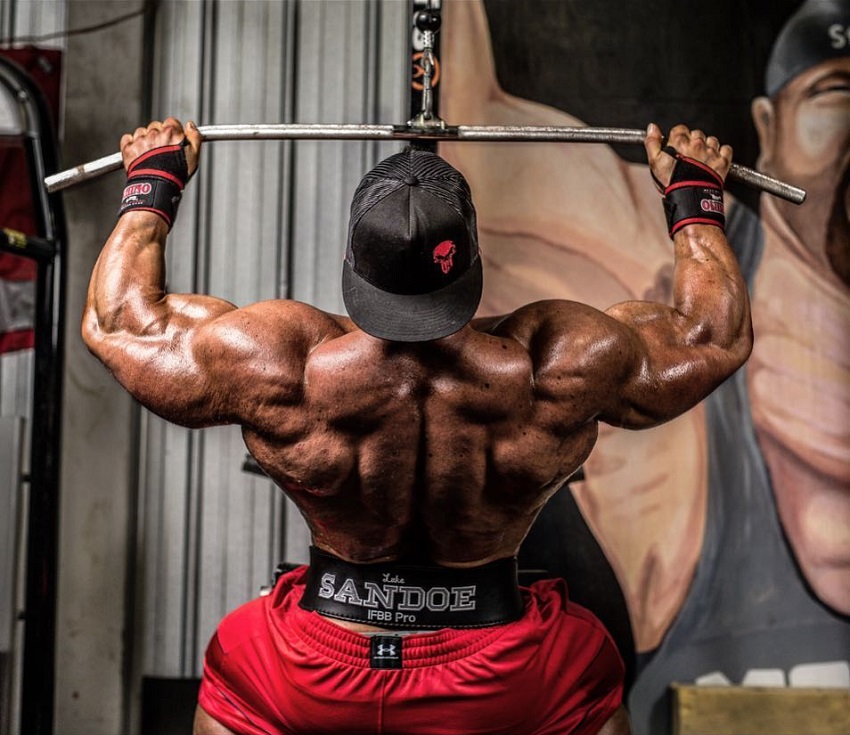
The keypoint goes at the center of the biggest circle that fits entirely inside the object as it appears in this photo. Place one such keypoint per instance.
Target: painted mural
(727, 531)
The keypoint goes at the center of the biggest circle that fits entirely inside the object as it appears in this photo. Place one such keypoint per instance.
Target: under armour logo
(386, 652)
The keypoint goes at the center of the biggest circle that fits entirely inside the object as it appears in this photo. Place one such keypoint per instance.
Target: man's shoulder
(550, 315)
(295, 318)
(561, 333)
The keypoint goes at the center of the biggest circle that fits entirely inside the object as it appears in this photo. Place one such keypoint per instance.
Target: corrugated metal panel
(262, 220)
(11, 439)
(12, 502)
(25, 18)
(16, 377)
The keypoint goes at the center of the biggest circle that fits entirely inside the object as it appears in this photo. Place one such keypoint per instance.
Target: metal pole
(470, 133)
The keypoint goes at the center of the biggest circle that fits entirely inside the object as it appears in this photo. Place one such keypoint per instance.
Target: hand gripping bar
(479, 133)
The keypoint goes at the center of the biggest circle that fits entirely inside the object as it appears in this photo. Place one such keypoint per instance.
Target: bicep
(665, 367)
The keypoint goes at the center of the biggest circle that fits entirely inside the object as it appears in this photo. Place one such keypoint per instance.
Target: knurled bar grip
(479, 133)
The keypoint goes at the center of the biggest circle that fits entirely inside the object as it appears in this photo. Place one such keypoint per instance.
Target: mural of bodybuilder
(728, 529)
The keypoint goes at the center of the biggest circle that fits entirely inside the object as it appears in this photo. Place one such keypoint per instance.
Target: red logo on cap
(444, 255)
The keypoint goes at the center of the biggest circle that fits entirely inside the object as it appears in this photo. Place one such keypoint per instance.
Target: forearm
(675, 355)
(168, 350)
(147, 338)
(710, 293)
(127, 289)
(127, 286)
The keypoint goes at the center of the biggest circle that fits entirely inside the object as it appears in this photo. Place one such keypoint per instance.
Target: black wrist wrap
(155, 182)
(694, 195)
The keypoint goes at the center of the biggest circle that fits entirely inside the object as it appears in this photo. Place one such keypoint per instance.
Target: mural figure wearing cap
(731, 522)
(418, 443)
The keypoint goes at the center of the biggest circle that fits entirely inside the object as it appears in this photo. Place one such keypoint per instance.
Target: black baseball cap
(412, 270)
(815, 33)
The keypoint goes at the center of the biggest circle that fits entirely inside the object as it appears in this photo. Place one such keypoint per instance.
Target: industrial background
(161, 529)
(125, 539)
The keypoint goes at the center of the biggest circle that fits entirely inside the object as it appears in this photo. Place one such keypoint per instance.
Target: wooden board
(699, 710)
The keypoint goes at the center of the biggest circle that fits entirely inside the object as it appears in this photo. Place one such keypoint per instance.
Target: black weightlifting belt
(413, 597)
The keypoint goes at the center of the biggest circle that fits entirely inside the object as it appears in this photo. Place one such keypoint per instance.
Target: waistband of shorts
(413, 597)
(418, 649)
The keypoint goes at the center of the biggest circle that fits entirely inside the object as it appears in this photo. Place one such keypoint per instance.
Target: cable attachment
(427, 22)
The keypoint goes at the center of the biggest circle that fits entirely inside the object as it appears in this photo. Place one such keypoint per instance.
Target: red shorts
(273, 667)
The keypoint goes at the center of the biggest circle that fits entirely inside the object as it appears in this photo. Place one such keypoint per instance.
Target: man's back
(440, 451)
(407, 431)
(416, 436)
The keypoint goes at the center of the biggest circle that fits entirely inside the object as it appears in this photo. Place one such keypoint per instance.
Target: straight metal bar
(477, 133)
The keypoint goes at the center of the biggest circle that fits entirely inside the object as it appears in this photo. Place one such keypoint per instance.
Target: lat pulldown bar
(479, 133)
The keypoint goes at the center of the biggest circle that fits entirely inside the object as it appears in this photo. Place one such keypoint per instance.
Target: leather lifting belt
(413, 597)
